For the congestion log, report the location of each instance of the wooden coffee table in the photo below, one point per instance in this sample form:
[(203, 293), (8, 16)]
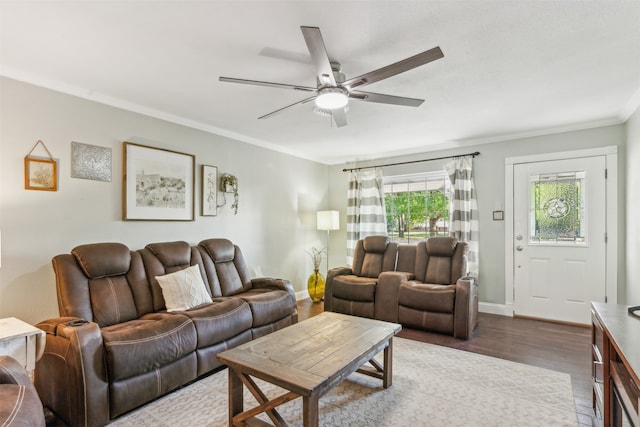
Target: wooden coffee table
[(308, 359)]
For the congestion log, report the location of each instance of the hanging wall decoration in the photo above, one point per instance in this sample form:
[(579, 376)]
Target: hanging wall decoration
[(90, 162), (158, 184), (40, 173), (209, 198), (229, 184)]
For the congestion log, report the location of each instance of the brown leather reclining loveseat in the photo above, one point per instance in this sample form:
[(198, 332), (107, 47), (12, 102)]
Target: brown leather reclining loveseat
[(117, 345), (421, 285)]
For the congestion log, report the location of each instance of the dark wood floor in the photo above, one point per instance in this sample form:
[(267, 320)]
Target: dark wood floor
[(559, 347)]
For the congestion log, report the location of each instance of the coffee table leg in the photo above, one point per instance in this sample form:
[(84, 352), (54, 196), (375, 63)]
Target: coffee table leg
[(235, 395), (310, 414), (387, 373)]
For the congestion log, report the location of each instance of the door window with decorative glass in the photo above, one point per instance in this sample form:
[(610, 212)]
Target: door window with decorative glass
[(556, 209)]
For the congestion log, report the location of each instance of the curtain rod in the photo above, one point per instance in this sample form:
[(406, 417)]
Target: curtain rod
[(477, 153)]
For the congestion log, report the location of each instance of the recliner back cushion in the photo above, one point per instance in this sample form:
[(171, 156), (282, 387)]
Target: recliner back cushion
[(103, 259), (111, 300), (231, 270), (440, 260), (110, 267), (438, 270), (174, 256), (373, 255), (169, 257)]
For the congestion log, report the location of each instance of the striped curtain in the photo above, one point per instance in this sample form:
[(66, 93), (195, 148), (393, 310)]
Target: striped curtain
[(365, 208), (464, 208)]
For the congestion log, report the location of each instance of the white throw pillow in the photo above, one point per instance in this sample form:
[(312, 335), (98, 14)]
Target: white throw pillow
[(183, 289)]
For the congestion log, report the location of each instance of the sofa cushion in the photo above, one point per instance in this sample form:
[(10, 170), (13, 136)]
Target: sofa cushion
[(231, 273), (438, 270), (111, 300), (427, 297), (183, 289), (219, 321), (172, 255), (268, 305), (354, 288), (103, 259), (148, 343), (441, 246)]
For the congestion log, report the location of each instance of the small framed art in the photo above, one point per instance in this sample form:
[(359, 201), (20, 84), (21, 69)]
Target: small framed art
[(40, 174), (209, 199)]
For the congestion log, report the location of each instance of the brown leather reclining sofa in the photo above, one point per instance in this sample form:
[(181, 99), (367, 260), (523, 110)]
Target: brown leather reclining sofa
[(116, 347), (423, 285)]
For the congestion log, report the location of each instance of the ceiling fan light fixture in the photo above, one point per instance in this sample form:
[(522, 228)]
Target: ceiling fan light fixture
[(331, 98), (326, 113)]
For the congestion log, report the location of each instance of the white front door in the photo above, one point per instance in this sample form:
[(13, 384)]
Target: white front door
[(559, 238)]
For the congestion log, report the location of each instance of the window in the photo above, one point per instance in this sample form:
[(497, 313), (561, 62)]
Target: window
[(417, 206), (556, 213)]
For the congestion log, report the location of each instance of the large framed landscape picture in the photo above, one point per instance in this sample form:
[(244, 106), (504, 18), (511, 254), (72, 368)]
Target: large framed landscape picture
[(158, 184)]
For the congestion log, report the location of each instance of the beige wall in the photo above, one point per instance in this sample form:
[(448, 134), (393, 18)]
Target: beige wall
[(632, 207), (275, 225), (489, 180)]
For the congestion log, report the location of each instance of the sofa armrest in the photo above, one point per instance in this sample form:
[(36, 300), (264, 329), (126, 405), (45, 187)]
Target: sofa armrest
[(386, 302), (466, 307), (20, 404), (70, 376), (328, 285), (269, 282)]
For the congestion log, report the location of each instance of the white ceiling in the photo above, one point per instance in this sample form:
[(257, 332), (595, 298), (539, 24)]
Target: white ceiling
[(511, 68)]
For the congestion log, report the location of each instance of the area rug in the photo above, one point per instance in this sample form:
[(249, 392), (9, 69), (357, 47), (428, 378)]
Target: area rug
[(432, 385)]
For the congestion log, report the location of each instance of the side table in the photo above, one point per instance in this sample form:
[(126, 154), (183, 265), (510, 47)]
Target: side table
[(22, 341)]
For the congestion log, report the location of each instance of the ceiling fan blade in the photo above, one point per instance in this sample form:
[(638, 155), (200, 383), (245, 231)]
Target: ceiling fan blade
[(268, 84), (315, 44), (339, 116), (385, 99), (273, 113), (395, 68)]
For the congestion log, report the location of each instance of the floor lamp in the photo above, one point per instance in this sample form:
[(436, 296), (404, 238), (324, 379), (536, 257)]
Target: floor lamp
[(327, 221)]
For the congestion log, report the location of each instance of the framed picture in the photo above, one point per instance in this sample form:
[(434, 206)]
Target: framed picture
[(158, 184), (40, 174), (209, 190)]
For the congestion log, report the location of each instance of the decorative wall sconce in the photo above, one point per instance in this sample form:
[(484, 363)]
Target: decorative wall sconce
[(229, 184)]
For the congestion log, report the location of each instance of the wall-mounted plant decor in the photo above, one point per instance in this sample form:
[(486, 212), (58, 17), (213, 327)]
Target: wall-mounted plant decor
[(229, 184), (40, 173), (158, 184)]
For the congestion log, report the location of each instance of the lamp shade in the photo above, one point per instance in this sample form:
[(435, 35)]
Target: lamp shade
[(328, 220)]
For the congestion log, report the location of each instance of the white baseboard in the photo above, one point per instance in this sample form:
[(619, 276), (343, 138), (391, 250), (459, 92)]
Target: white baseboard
[(493, 308), (302, 295)]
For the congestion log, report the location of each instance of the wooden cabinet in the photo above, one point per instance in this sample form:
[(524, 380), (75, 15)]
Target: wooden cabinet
[(597, 370), (615, 354)]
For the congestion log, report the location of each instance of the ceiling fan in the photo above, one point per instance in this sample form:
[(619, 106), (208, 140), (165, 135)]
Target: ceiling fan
[(332, 93)]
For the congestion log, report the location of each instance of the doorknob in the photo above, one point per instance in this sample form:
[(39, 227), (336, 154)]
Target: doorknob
[(518, 248)]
